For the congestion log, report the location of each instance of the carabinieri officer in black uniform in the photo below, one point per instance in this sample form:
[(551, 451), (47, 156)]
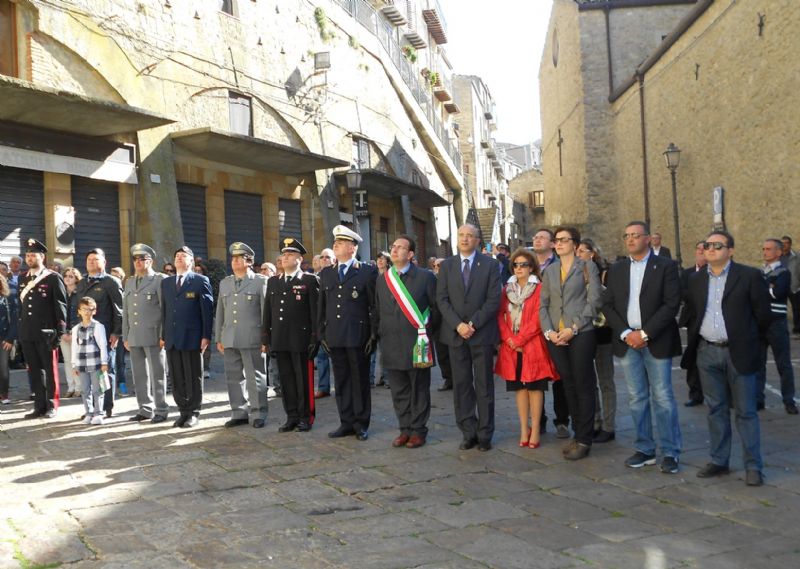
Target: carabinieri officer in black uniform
[(42, 319), (290, 331), (348, 331)]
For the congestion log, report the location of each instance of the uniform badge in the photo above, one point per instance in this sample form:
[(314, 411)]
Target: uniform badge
[(354, 294), (249, 297), (149, 297), (298, 297), (191, 295)]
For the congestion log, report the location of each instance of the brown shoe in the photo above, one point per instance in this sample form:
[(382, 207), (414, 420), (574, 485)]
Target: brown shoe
[(415, 441), (578, 452), (400, 441), (569, 447), (321, 394)]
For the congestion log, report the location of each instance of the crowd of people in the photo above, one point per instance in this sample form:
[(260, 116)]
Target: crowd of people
[(549, 318)]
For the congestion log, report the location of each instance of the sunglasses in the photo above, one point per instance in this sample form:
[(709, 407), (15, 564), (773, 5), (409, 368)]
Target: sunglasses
[(626, 236), (140, 258), (524, 265), (716, 245), (562, 239)]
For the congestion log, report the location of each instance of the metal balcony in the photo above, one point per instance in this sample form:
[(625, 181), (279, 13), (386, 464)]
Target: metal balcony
[(392, 13), (434, 18)]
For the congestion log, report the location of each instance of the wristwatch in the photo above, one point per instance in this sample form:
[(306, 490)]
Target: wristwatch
[(574, 329), (645, 337)]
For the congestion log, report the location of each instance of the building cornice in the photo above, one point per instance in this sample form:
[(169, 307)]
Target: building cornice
[(585, 5)]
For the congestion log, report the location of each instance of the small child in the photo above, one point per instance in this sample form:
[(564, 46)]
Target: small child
[(90, 356)]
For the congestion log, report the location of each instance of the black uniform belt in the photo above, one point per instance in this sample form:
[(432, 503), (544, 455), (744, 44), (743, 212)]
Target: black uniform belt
[(717, 344)]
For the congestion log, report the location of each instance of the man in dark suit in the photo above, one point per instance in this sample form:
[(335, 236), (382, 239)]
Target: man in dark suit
[(658, 250), (187, 312), (407, 318), (692, 375), (42, 319), (290, 331), (468, 296), (728, 313), (348, 331), (640, 303)]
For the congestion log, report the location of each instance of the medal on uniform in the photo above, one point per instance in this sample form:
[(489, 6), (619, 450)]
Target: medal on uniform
[(354, 294), (297, 297)]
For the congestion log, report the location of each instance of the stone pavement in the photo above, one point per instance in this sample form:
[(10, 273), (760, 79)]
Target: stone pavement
[(130, 495)]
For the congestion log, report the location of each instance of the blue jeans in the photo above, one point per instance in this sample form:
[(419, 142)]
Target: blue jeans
[(90, 393), (720, 382), (649, 382), (324, 370), (777, 337)]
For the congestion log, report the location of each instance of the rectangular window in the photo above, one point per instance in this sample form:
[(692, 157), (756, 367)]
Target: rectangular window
[(8, 36), (361, 156), (382, 234), (537, 199), (241, 113), (227, 6)]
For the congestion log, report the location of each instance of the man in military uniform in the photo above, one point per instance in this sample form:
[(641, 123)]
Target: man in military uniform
[(42, 318), (186, 313), (141, 332), (290, 331), (107, 293), (238, 332), (348, 331)]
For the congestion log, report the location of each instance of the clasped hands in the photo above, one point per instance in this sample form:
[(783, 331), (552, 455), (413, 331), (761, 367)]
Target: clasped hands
[(561, 337), (465, 330), (635, 340)]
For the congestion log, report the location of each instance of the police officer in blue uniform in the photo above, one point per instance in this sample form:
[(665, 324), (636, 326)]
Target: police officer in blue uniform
[(290, 332), (42, 319), (187, 315), (348, 331)]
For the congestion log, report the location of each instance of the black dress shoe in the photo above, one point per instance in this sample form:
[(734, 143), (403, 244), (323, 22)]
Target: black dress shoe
[(287, 427), (448, 386), (138, 418), (754, 478), (180, 421), (693, 403), (791, 409), (235, 423), (33, 415), (759, 406), (303, 426), (604, 436), (483, 446), (467, 444), (362, 435), (341, 432), (158, 419), (710, 470), (259, 423), (109, 412), (191, 421)]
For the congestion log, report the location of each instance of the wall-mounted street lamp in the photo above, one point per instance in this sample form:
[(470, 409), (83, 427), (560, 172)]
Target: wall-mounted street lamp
[(672, 156), (449, 196)]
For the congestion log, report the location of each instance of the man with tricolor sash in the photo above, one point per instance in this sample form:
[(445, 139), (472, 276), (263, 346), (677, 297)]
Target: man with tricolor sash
[(408, 318)]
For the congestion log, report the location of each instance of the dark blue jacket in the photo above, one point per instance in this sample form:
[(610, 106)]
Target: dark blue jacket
[(8, 319), (779, 281), (347, 309), (187, 313)]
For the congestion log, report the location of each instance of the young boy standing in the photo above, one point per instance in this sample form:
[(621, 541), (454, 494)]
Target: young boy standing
[(90, 356)]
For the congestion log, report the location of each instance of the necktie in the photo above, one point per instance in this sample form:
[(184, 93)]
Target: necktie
[(341, 272), (465, 272), (237, 282), (180, 281), (138, 281)]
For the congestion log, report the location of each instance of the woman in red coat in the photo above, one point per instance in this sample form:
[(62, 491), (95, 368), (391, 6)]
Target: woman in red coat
[(523, 360)]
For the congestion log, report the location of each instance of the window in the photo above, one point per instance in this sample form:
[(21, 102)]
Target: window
[(241, 113), (361, 153), (227, 6), (382, 235), (537, 199), (8, 50)]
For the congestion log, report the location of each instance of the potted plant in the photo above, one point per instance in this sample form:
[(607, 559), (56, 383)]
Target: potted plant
[(410, 53), (433, 78)]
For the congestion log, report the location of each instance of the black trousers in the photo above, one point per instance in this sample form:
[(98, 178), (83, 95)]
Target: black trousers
[(575, 364), (560, 407), (293, 369), (473, 389), (795, 300), (42, 373), (443, 359), (351, 381), (693, 381), (411, 396), (186, 371)]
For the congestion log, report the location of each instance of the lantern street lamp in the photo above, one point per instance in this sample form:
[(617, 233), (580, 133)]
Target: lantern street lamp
[(672, 156), (450, 196), (354, 184)]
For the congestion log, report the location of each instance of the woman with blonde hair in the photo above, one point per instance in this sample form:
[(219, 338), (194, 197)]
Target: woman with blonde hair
[(72, 277)]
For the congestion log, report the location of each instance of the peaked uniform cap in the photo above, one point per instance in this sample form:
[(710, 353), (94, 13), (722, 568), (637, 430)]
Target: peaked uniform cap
[(343, 232), (293, 245), (34, 246), (141, 249), (238, 249)]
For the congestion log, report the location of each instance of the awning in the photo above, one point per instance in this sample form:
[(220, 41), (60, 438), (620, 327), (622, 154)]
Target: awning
[(252, 153), (43, 107), (385, 185)]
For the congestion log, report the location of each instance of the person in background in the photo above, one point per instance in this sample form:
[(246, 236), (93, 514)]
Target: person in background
[(502, 258), (72, 277), (522, 359), (323, 360), (120, 364), (376, 373), (658, 250), (792, 260), (8, 335), (90, 359), (17, 270), (442, 351), (168, 269), (692, 375), (268, 270)]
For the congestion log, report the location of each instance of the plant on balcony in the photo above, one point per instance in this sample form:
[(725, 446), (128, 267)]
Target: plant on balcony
[(433, 78), (410, 53), (425, 72), (322, 25)]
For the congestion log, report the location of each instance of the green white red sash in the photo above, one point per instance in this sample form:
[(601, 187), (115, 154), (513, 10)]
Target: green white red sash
[(421, 355)]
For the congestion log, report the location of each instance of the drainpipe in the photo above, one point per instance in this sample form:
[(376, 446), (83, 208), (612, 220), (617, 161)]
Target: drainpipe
[(607, 13), (645, 183)]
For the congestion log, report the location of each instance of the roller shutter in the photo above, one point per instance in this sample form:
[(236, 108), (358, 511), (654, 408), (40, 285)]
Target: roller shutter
[(96, 206), (289, 220), (192, 200), (244, 221), (22, 214)]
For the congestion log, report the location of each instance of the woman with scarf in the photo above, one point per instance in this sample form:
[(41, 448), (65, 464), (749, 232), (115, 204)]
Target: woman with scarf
[(522, 359)]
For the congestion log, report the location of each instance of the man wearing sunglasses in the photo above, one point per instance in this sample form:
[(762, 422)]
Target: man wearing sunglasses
[(728, 312), (640, 303)]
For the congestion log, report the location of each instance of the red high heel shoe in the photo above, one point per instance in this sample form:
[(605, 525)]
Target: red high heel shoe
[(525, 443), (534, 445)]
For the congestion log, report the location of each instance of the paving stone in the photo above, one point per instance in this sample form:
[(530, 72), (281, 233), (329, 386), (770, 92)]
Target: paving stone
[(621, 556), (57, 548), (483, 485), (546, 533), (332, 510), (467, 512), (387, 526), (604, 496), (398, 553), (359, 480), (424, 470), (620, 528), (304, 489), (410, 497), (561, 509), (673, 518)]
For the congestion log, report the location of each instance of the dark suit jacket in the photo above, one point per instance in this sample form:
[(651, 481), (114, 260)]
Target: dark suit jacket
[(187, 314), (44, 308), (659, 301), (478, 304), (685, 274), (107, 293), (345, 318), (666, 253), (745, 308), (397, 333), (290, 313)]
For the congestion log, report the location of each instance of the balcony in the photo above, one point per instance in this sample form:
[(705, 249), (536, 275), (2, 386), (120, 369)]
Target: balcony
[(491, 152), (434, 18), (443, 88), (392, 13)]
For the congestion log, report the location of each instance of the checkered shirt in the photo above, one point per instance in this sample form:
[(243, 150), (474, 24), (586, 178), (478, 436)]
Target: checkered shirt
[(89, 356)]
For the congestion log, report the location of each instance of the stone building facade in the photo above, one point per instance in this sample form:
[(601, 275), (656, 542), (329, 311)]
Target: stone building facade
[(622, 79), (209, 122)]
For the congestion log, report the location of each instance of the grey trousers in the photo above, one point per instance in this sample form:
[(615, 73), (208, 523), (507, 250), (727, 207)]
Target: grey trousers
[(148, 364), (605, 415), (411, 396), (473, 390), (247, 383)]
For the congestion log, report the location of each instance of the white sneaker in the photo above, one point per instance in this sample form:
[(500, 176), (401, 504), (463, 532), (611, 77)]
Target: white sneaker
[(6, 401), (97, 420), (87, 420)]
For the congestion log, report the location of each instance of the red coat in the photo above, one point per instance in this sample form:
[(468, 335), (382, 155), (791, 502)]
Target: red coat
[(536, 362)]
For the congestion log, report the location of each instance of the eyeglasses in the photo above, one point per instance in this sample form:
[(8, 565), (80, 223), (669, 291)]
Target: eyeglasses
[(562, 239), (140, 258), (524, 265), (626, 236), (325, 257), (716, 245), (585, 251), (85, 309)]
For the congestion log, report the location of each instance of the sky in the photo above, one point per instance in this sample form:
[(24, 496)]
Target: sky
[(501, 41)]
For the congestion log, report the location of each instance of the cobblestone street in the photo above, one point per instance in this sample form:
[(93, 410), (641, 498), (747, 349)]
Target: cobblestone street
[(130, 495)]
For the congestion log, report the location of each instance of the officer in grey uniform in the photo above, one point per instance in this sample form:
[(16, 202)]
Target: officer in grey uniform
[(141, 332), (238, 331)]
